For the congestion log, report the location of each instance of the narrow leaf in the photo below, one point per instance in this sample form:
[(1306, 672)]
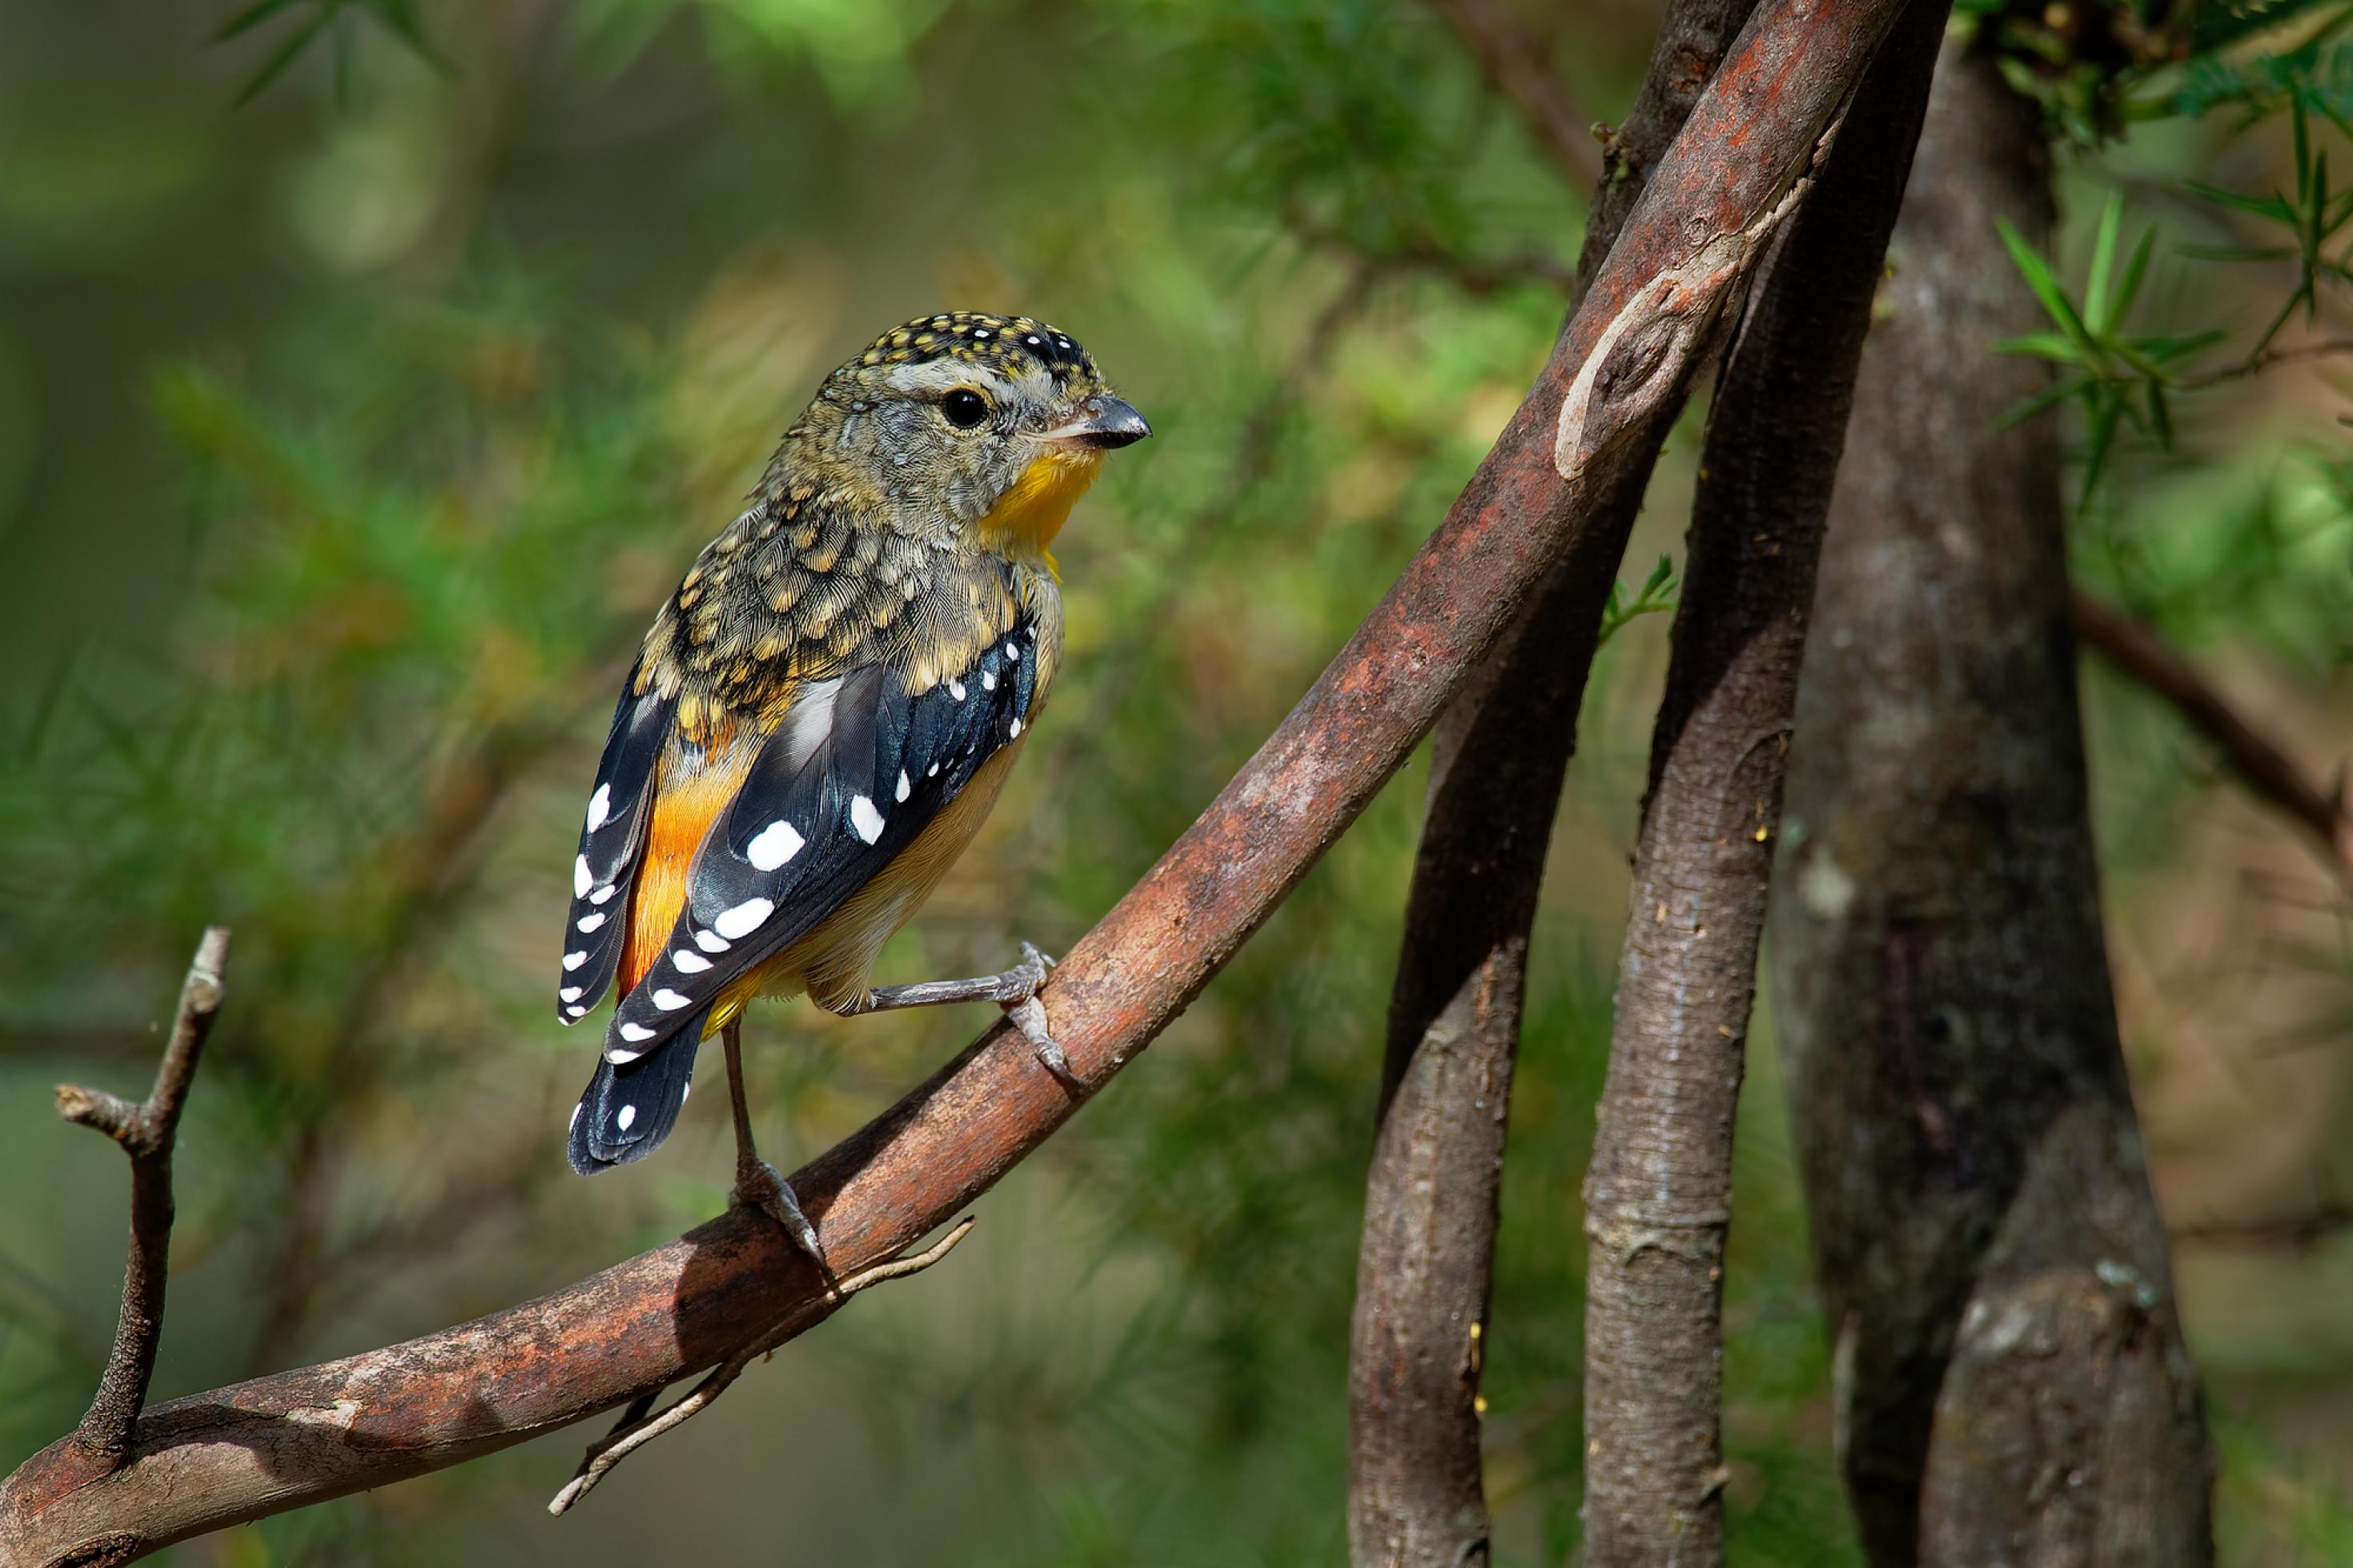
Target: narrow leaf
[(287, 54), (2276, 207), (2103, 256), (2043, 345), (2038, 275), (2103, 433), (252, 17), (2134, 270)]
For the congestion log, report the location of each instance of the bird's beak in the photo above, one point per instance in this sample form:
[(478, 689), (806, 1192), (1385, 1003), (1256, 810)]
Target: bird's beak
[(1103, 423)]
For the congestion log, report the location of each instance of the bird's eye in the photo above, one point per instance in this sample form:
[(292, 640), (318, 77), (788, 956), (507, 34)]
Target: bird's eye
[(963, 407)]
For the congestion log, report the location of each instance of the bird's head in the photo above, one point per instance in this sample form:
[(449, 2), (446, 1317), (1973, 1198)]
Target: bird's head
[(982, 429)]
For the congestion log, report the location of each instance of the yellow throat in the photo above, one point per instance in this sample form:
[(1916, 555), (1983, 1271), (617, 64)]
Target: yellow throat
[(1029, 516)]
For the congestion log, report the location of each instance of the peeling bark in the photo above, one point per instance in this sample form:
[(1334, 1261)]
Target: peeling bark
[(2011, 1382)]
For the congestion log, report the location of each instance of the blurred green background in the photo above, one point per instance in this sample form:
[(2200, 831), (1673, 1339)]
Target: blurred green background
[(349, 434)]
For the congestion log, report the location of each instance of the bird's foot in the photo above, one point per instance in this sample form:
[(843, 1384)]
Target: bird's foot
[(1024, 980), (758, 1186), (1029, 1014)]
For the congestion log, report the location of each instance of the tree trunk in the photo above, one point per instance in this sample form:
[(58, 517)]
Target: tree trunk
[(2012, 1384), (1426, 1262), (1658, 1194)]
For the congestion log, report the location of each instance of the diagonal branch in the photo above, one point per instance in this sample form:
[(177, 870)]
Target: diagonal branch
[(146, 1131), (277, 1443), (2262, 765)]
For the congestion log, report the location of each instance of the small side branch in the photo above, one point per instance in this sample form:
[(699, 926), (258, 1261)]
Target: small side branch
[(2298, 1232), (2262, 765), (146, 1131), (640, 1424)]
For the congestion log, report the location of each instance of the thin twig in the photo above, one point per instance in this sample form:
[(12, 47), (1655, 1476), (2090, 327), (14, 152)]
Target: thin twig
[(146, 1132), (1478, 277), (2262, 765), (637, 1427), (1514, 62), (2300, 1232), (2255, 364)]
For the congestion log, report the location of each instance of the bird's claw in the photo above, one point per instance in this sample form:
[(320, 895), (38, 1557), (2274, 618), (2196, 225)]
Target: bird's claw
[(1029, 1016), (758, 1186)]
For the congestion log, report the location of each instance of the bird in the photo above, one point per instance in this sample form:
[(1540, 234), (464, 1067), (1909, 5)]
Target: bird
[(823, 714)]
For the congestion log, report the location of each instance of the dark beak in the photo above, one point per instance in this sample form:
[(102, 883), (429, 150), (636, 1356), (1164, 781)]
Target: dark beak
[(1104, 423)]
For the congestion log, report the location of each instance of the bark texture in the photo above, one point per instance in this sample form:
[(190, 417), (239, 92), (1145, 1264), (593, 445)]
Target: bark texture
[(2011, 1382), (1425, 1265), (1658, 1193)]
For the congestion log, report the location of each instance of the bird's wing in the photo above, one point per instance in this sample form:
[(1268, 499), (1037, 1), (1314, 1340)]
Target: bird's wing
[(844, 785), (611, 838)]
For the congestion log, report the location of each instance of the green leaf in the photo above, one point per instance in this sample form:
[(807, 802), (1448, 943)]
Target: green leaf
[(2054, 346), (2300, 137), (2134, 270), (2105, 413), (2103, 256), (1661, 575), (2276, 207), (2240, 253), (2042, 400), (400, 18), (287, 54), (252, 17), (2045, 284), (2163, 347)]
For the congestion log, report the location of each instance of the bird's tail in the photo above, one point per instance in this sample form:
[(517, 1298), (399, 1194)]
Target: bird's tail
[(628, 1110)]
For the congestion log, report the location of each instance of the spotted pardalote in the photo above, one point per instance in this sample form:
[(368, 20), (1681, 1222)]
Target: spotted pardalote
[(824, 711)]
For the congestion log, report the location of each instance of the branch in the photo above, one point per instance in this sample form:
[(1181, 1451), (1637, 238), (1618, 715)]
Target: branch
[(1658, 1193), (2300, 1232), (279, 1442), (639, 1428), (1516, 65), (1425, 1264), (2262, 766), (2256, 363), (146, 1132)]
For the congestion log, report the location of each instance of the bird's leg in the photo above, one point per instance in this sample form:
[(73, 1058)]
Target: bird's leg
[(1015, 990), (758, 1185)]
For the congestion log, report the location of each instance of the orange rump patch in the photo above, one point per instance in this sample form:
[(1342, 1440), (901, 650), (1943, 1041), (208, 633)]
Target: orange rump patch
[(684, 809)]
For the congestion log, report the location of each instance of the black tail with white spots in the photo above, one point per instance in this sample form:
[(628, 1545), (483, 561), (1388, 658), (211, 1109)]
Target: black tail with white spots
[(628, 1110)]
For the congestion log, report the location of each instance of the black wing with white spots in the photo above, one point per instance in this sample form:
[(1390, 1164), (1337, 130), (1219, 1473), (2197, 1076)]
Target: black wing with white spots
[(832, 799), (610, 841)]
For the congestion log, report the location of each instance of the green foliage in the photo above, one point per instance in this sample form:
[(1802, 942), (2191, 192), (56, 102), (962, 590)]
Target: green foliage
[(2313, 218), (1656, 596), (2116, 377), (2316, 72), (859, 48), (413, 511), (327, 20)]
